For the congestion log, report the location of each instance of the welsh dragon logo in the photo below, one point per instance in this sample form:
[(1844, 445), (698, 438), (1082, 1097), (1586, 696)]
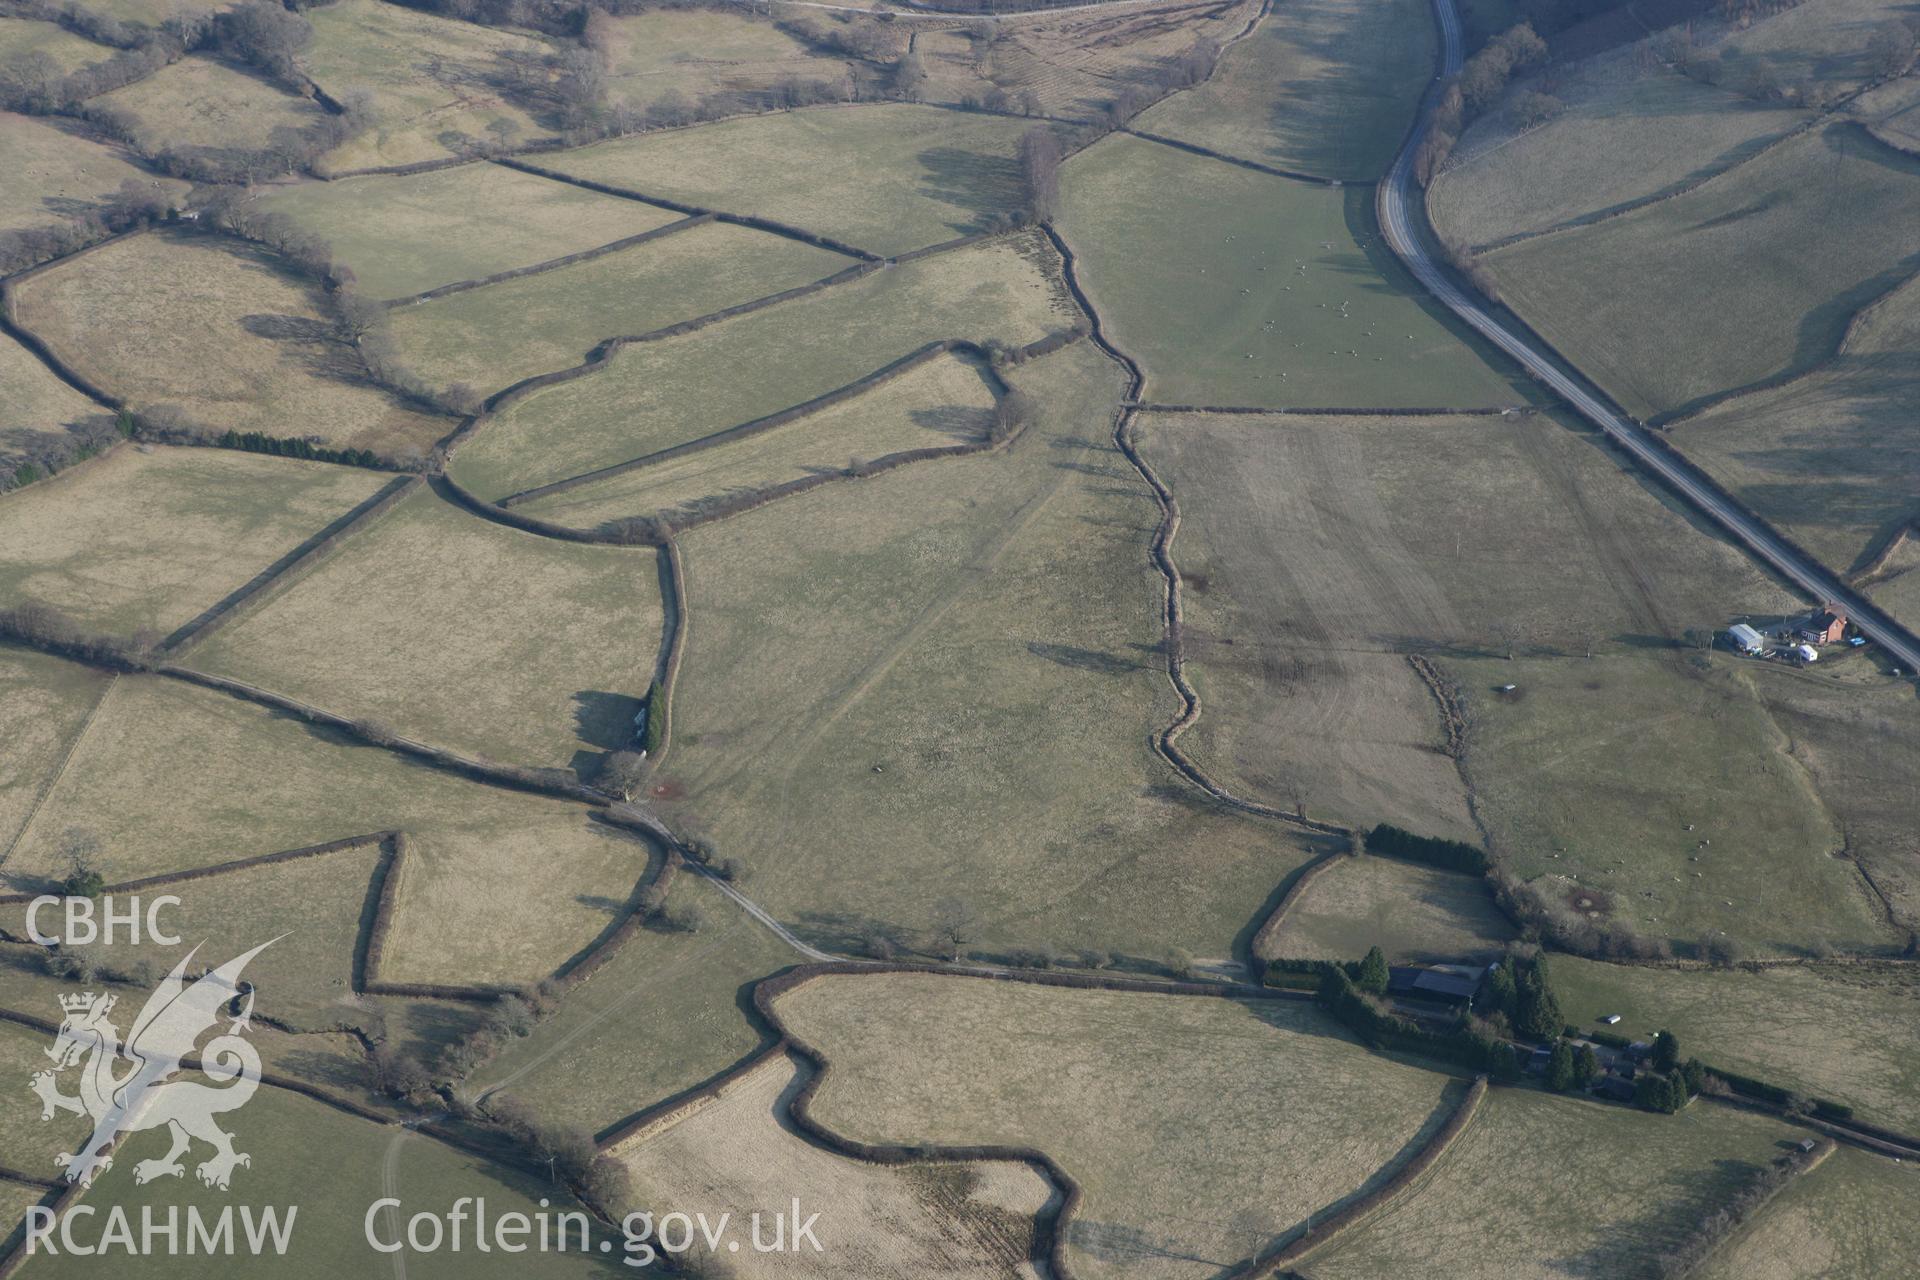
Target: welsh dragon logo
[(130, 1087)]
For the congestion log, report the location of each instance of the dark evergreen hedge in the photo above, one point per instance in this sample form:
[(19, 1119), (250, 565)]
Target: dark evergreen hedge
[(1454, 855)]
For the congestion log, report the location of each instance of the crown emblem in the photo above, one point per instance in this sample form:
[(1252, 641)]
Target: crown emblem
[(78, 1003)]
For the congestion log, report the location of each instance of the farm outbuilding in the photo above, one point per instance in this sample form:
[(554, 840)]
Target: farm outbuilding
[(1745, 638), (1444, 983)]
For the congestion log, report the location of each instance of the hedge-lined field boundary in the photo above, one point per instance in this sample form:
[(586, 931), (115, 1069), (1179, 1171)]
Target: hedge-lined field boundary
[(1292, 175), (515, 777), (623, 534), (1264, 937), (780, 418), (607, 348), (1166, 741), (1051, 1227), (610, 347), (1790, 378), (551, 264), (192, 1062), (673, 594), (1359, 1210), (786, 230), (222, 868), (27, 338), (290, 568), (1836, 114)]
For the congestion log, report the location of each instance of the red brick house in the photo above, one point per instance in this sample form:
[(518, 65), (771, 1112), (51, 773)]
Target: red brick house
[(1826, 626)]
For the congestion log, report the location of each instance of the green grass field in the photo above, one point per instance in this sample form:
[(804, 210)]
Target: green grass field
[(1319, 551), (25, 38), (1408, 911), (150, 13), (945, 402), (1749, 277), (664, 393), (1616, 781), (666, 1013), (433, 83), (886, 178), (1828, 460), (170, 776), (462, 894), (216, 330), (1824, 48), (53, 165), (493, 337), (1899, 594), (1326, 88), (1861, 744), (1541, 1187), (305, 978), (464, 633), (1232, 293), (201, 102), (694, 54), (148, 540), (28, 1143), (885, 681), (1166, 1109), (43, 703), (1851, 1217), (331, 1167), (1848, 1032), (1627, 134), (403, 236)]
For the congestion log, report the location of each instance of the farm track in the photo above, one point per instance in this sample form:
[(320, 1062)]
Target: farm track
[(1397, 202)]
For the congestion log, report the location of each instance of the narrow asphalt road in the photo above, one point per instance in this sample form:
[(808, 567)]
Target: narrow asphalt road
[(1399, 192)]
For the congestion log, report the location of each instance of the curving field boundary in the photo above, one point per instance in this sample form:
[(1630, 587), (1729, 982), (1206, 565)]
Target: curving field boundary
[(1051, 1232), (1262, 945), (503, 513)]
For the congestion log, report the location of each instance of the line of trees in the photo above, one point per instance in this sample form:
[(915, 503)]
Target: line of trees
[(259, 34), (43, 626), (1518, 993), (135, 205), (1453, 855), (1479, 85), (1681, 1260), (31, 455)]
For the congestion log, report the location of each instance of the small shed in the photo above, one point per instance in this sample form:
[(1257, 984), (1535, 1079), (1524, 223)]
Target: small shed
[(1745, 638)]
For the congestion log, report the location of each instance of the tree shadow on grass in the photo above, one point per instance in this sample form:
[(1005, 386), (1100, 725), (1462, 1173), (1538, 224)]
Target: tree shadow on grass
[(977, 183), (605, 720)]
